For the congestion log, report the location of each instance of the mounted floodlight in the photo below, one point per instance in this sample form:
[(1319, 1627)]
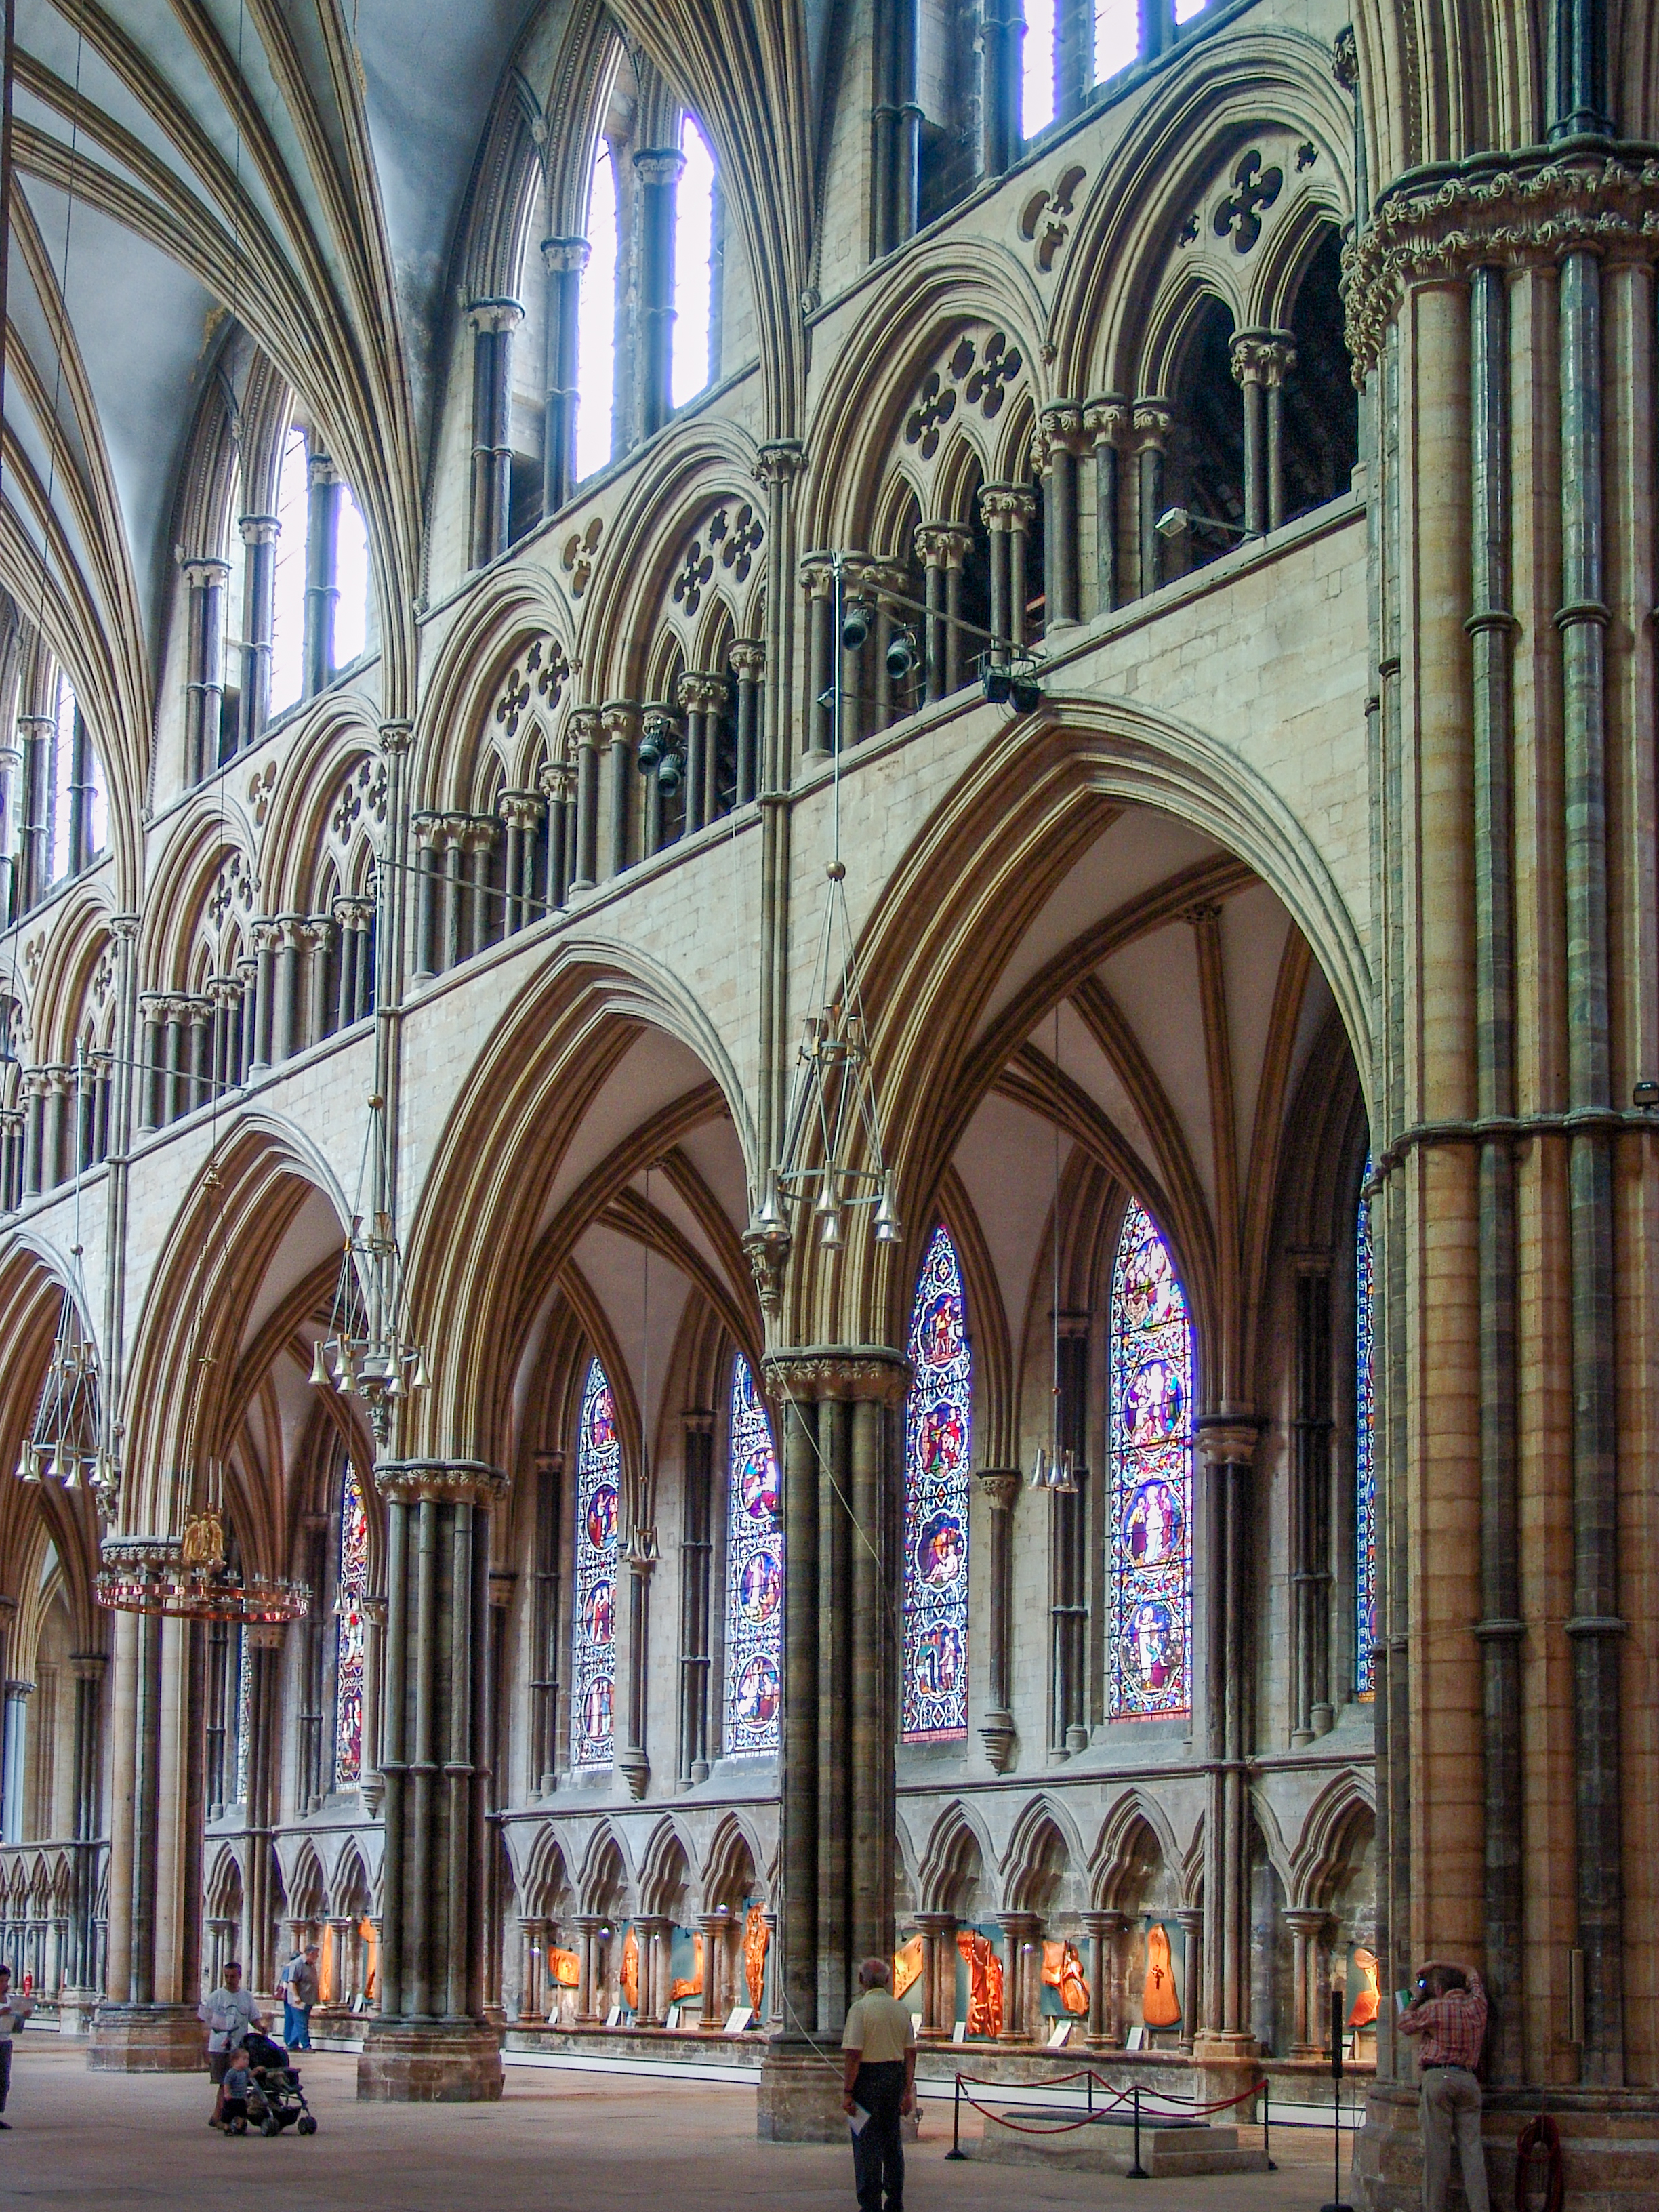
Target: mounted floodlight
[(670, 770), (1003, 688), (901, 655), (855, 623), (1177, 521)]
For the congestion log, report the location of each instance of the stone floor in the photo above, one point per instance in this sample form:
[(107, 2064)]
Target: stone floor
[(585, 2142)]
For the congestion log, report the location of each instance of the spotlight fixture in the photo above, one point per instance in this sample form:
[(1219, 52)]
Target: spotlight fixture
[(901, 655), (670, 770), (1004, 687), (855, 623), (1177, 521), (1645, 1097)]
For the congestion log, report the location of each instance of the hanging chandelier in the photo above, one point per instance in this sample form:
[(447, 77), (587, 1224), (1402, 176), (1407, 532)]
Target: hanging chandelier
[(66, 1443), (364, 1351), (831, 1159), (191, 1579)]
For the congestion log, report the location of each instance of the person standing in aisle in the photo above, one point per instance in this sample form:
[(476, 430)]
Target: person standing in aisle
[(879, 2052), (14, 2011)]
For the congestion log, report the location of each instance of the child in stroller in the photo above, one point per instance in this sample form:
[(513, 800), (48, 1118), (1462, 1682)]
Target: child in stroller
[(261, 2085)]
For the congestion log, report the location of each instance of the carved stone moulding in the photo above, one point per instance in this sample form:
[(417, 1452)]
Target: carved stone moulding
[(849, 1371), (1534, 210), (449, 1481)]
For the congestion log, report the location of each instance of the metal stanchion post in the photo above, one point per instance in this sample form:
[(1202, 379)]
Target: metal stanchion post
[(1267, 2123), (1137, 2171), (1336, 2204), (956, 2149)]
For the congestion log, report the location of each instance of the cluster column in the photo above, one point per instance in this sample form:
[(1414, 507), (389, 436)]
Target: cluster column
[(1261, 359), (492, 322), (840, 1501), (1001, 1486), (1226, 1452), (430, 2040)]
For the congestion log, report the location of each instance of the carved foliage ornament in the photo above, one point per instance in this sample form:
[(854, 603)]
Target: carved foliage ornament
[(1532, 213)]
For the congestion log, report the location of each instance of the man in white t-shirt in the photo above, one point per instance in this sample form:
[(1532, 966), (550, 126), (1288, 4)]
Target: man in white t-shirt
[(229, 2013), (879, 2054), (14, 2011)]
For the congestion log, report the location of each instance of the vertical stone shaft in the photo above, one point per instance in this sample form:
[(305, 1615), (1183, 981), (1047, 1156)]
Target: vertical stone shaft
[(563, 261), (1596, 1627), (800, 1721), (430, 2040), (1106, 421), (696, 1552), (1001, 1486), (1060, 436), (493, 323), (322, 561), (89, 1670), (658, 172), (204, 687), (1491, 626), (260, 535), (1067, 1568), (1311, 1711), (870, 1870)]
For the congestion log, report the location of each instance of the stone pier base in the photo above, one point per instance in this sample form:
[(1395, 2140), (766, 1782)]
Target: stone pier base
[(1609, 2143), (430, 2062), (801, 2095), (129, 2039)]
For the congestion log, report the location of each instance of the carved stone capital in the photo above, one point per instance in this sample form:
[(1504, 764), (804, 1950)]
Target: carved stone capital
[(556, 779), (564, 257), (494, 314), (1006, 506), (1152, 421), (1001, 1486), (1227, 1443), (1537, 211), (943, 544), (748, 658), (847, 1372), (1264, 357), (585, 726), (1108, 419), (446, 1481), (619, 720), (701, 691), (1060, 429), (781, 462), (320, 470), (520, 809), (199, 572), (90, 1666), (817, 575), (259, 529), (660, 165), (396, 738)]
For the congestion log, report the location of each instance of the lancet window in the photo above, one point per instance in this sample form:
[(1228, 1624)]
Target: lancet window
[(1364, 1463), (937, 1436), (352, 1630), (320, 576), (754, 1575), (593, 1639), (1151, 1454)]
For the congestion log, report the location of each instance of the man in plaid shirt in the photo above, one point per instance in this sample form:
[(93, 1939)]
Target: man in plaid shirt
[(1450, 2013)]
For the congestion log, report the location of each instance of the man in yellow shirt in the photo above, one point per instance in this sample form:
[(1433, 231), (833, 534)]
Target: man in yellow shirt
[(879, 2052)]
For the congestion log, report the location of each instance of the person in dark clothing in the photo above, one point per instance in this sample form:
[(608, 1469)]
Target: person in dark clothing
[(878, 2053)]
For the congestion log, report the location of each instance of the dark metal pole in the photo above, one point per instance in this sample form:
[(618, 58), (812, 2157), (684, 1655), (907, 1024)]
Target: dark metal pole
[(956, 2149), (1137, 2171), (1336, 2204)]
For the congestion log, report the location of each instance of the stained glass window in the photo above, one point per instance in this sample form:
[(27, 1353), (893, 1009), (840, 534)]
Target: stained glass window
[(1151, 1423), (349, 1649), (754, 1575), (938, 1423), (1364, 1466), (593, 1669)]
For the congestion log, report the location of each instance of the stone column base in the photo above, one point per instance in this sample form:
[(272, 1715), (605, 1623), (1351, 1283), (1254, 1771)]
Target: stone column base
[(76, 2011), (438, 2061), (1609, 2143), (131, 2038), (801, 2095)]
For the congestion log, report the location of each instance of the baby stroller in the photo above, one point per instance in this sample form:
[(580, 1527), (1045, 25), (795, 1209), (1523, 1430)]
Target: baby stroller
[(276, 2100)]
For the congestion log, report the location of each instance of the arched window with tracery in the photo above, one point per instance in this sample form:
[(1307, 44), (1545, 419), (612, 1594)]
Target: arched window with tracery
[(350, 1636), (1150, 1645), (593, 1634), (754, 1575), (938, 1411), (1365, 1464)]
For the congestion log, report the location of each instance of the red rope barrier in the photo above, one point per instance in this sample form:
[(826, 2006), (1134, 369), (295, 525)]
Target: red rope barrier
[(1118, 2097)]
